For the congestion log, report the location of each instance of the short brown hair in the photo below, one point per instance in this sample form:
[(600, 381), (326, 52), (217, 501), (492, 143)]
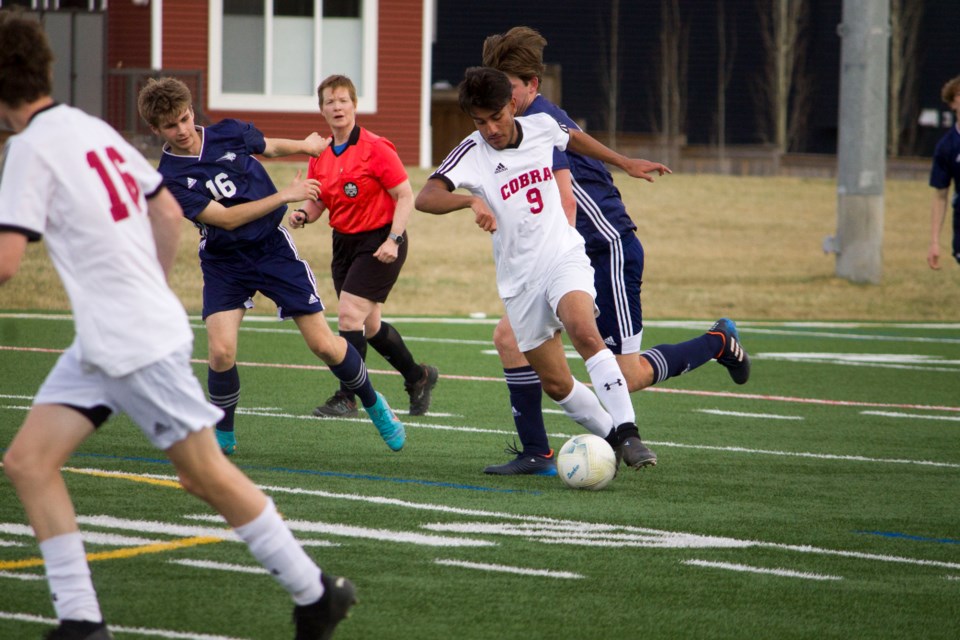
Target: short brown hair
[(950, 89), (518, 52), (26, 60), (163, 99), (337, 81)]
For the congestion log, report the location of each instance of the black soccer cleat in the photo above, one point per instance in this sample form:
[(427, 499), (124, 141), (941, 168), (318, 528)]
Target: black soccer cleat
[(733, 356), (525, 464), (79, 630), (626, 443), (420, 390), (318, 621), (339, 405)]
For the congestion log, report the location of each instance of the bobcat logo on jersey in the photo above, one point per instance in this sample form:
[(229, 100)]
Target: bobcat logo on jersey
[(229, 156), (350, 190)]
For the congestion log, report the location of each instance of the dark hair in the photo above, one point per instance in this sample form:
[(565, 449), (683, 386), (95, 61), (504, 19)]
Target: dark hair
[(26, 60), (484, 88), (518, 52)]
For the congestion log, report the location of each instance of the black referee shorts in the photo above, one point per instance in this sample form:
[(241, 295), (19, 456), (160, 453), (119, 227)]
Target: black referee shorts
[(356, 271)]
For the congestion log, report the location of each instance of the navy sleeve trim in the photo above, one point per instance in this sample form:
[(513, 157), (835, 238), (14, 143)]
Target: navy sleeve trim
[(32, 236)]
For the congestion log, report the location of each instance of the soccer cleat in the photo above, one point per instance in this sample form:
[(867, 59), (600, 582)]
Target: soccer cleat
[(733, 356), (227, 441), (79, 630), (628, 447), (339, 405), (317, 621), (525, 464), (390, 428), (419, 391)]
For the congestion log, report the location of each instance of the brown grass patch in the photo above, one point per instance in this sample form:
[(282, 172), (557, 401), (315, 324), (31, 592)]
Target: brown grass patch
[(745, 247)]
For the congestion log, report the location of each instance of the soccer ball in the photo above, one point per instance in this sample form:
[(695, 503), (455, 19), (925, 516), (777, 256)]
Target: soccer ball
[(586, 462)]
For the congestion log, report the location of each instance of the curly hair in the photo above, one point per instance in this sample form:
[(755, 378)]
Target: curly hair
[(484, 88), (163, 99), (26, 60), (950, 89), (518, 52)]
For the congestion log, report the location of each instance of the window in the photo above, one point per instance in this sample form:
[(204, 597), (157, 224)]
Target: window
[(270, 55)]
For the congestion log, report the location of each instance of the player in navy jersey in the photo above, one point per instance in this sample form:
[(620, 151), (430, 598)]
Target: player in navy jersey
[(244, 247), (616, 255), (946, 168)]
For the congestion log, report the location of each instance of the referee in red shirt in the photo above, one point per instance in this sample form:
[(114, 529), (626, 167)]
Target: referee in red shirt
[(366, 190)]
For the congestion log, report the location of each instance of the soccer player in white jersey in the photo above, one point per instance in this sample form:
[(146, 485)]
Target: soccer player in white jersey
[(543, 275), (111, 230)]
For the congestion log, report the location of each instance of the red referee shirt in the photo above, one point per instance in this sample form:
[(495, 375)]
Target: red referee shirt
[(354, 185)]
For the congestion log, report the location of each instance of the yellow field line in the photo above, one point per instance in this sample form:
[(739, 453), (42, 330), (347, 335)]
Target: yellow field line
[(157, 547), (173, 484)]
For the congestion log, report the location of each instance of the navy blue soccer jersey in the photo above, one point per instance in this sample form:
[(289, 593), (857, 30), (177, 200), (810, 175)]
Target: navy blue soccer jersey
[(225, 171), (602, 217), (946, 164)]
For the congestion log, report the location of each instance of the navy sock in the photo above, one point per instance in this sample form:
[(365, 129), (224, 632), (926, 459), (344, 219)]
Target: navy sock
[(359, 343), (389, 343), (670, 360), (352, 373), (525, 400), (224, 390)]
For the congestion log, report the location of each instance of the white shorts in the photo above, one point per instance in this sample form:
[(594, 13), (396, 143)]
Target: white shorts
[(533, 312), (164, 399)]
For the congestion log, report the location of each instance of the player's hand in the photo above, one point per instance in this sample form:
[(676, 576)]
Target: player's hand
[(933, 257), (299, 190), (316, 144), (387, 252), (483, 216), (639, 168)]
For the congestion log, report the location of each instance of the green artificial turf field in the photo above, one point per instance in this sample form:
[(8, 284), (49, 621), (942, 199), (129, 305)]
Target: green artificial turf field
[(820, 500)]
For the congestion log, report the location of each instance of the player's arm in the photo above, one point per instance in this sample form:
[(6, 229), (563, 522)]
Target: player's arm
[(308, 212), (938, 213), (312, 145), (586, 145), (436, 197), (166, 218), (13, 245), (229, 218), (564, 180)]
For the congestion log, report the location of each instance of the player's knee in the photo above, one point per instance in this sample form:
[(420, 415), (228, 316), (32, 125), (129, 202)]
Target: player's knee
[(23, 468), (504, 340)]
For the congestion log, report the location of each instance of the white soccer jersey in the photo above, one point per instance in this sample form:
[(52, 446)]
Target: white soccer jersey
[(517, 183), (72, 179)]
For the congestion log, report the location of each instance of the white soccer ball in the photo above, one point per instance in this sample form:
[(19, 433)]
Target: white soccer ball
[(586, 462)]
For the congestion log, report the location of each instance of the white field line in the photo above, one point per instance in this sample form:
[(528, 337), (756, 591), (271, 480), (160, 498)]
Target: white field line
[(891, 414), (116, 628), (507, 569), (741, 414), (16, 575), (574, 525), (89, 537), (220, 566), (784, 573), (498, 380)]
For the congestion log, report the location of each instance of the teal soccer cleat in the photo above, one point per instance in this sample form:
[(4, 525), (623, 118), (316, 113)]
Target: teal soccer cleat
[(390, 428), (227, 441)]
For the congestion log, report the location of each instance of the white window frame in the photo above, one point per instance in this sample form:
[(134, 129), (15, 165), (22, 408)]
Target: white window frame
[(219, 100)]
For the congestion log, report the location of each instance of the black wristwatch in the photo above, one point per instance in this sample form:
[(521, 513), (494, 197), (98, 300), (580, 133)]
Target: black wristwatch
[(396, 237)]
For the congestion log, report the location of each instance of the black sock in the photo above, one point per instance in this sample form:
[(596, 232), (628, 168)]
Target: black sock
[(359, 343), (224, 390), (390, 345)]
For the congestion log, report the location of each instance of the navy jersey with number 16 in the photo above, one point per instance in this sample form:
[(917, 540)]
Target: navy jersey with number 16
[(225, 171)]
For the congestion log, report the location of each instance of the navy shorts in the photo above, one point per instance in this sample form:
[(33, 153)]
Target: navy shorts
[(956, 234), (273, 267), (617, 277)]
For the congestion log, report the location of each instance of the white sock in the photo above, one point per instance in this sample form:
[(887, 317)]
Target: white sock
[(582, 407), (272, 543), (68, 576), (611, 386)]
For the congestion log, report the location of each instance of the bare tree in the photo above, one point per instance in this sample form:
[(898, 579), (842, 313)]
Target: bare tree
[(784, 90), (674, 53), (905, 19), (726, 52)]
